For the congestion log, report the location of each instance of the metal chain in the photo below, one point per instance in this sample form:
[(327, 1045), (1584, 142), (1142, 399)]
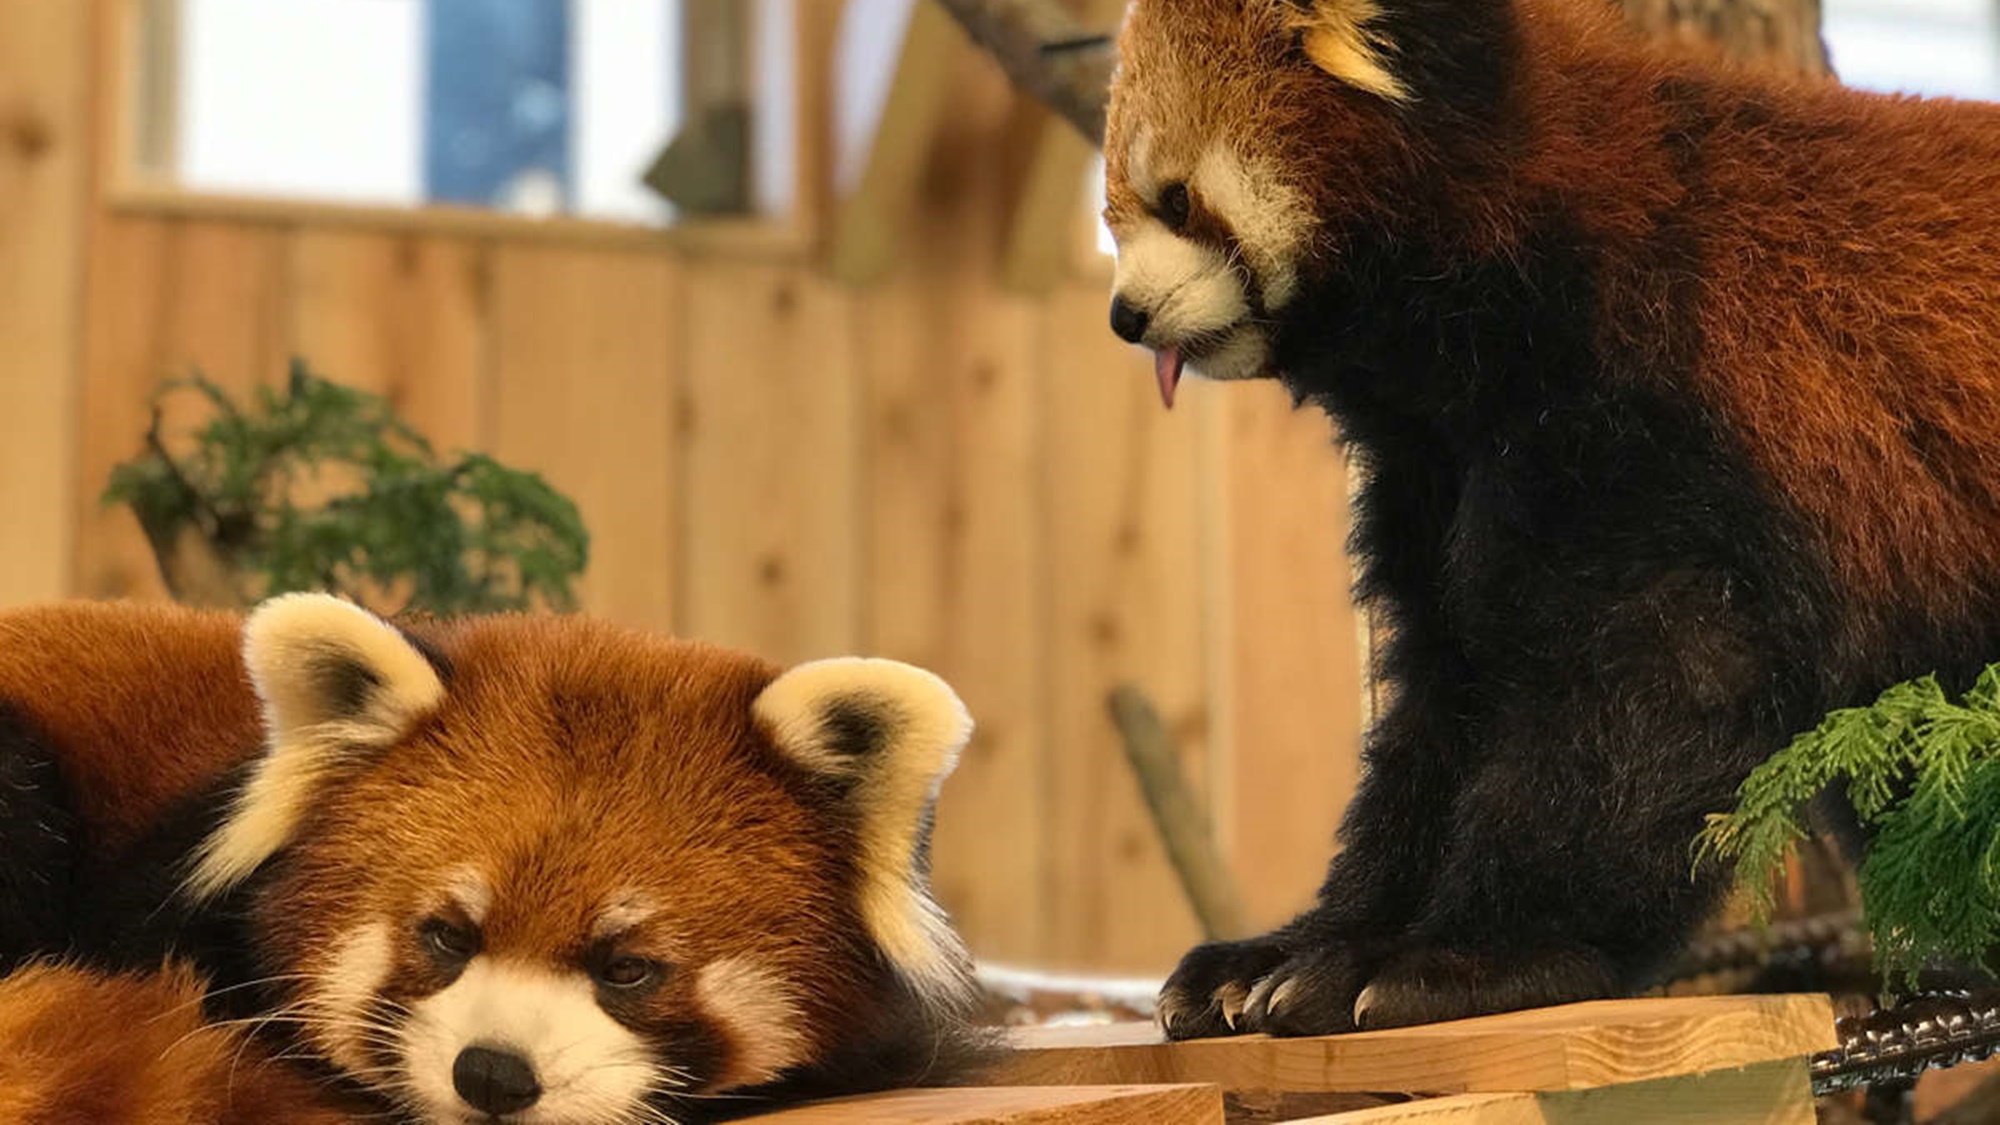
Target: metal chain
[(1926, 1032)]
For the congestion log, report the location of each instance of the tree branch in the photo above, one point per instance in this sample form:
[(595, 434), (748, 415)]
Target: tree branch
[(1178, 814), (1052, 55), (1047, 52)]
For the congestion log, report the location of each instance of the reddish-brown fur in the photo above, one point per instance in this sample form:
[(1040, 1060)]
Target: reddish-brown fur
[(571, 763), (152, 703), (1849, 318), (539, 740), (83, 1048)]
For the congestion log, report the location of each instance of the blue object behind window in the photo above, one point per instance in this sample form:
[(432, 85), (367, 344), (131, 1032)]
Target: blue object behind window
[(497, 97)]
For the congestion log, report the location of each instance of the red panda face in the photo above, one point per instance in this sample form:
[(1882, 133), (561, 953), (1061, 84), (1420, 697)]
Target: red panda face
[(584, 872), (1238, 131)]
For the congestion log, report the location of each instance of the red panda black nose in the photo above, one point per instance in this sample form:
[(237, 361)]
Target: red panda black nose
[(1128, 320), (494, 1081)]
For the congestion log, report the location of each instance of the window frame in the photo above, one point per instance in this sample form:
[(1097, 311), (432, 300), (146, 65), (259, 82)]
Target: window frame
[(138, 62)]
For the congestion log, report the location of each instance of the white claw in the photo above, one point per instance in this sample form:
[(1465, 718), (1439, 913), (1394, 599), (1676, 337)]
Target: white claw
[(1281, 994), (1260, 993), (1362, 1003), (1230, 998)]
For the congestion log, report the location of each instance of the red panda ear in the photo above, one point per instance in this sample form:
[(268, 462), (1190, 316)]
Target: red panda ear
[(892, 732), (335, 681), (1344, 39)]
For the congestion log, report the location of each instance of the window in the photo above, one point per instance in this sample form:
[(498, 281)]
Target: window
[(1948, 47), (532, 106)]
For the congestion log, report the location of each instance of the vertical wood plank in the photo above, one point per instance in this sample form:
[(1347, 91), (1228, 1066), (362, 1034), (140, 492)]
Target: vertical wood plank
[(768, 429), (867, 232), (404, 315), (817, 32), (44, 147), (956, 576), (1124, 482), (1291, 737), (584, 372), (164, 298)]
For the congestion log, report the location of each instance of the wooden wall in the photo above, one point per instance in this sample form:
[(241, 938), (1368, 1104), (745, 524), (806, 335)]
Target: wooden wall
[(934, 468)]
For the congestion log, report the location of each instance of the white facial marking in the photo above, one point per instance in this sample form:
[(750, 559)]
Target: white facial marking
[(470, 893), (1270, 220), (622, 913), (1185, 288), (762, 1019), (589, 1066), (341, 993), (1243, 354), (1139, 171)]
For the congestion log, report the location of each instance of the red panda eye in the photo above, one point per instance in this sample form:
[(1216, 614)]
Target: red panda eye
[(1175, 205), (448, 942), (627, 972)]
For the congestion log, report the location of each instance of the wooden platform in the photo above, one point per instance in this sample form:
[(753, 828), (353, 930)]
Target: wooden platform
[(1571, 1048), (1638, 1062), (1020, 1105)]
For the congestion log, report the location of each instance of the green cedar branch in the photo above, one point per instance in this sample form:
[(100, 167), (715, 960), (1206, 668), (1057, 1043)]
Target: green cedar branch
[(317, 486)]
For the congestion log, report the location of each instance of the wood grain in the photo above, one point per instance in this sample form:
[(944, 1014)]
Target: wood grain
[(44, 147), (1578, 1046), (406, 317), (164, 299), (1289, 739), (585, 371), (1126, 548), (1771, 1093), (1077, 1105), (955, 577), (768, 428), (1462, 1109)]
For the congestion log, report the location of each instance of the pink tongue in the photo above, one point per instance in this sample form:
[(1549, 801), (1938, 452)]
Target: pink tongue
[(1167, 367)]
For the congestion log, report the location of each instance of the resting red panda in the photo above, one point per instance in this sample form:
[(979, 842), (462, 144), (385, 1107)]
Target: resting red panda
[(533, 869), (1677, 391)]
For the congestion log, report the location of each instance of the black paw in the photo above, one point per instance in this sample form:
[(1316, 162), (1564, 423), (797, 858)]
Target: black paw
[(1206, 994), (1312, 993), (1432, 984)]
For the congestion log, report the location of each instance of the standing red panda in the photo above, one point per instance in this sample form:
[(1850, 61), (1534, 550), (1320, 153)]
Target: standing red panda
[(1677, 388), (532, 869)]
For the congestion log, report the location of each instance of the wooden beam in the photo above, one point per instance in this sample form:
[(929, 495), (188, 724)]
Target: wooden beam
[(864, 242), (1076, 1105), (1580, 1046), (816, 53), (1774, 1093), (1049, 217), (1465, 1109), (1047, 52)]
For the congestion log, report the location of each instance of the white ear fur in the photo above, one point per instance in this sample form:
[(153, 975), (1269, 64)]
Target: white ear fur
[(1338, 37), (334, 680), (893, 732)]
